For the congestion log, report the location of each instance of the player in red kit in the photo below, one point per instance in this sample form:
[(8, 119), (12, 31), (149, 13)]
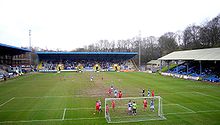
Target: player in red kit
[(97, 106), (145, 104), (152, 93), (107, 109), (109, 92), (113, 105), (119, 94)]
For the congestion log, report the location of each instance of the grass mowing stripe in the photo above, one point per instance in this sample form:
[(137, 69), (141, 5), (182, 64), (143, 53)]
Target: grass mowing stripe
[(196, 112), (50, 120), (32, 110), (72, 119), (90, 108), (23, 121), (39, 97), (7, 102), (64, 112), (68, 96), (200, 93)]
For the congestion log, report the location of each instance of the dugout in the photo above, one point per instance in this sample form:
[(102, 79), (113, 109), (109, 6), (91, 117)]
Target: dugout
[(11, 55)]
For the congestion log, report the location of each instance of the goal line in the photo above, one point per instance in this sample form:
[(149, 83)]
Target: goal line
[(133, 109)]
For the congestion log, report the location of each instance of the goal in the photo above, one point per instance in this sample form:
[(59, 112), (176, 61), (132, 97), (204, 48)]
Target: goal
[(121, 113)]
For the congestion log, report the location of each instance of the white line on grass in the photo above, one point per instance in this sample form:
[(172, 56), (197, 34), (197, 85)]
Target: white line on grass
[(181, 107), (179, 113), (208, 111), (6, 102), (51, 120), (200, 93), (64, 112), (186, 108)]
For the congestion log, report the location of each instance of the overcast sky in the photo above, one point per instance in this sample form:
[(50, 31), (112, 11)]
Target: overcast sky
[(69, 24)]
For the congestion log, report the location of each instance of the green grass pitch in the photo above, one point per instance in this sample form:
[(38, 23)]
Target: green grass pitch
[(69, 98)]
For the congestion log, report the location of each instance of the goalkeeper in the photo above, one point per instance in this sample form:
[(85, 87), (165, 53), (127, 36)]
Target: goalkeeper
[(134, 107)]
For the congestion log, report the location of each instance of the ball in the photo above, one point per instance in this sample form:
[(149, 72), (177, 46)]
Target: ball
[(94, 113)]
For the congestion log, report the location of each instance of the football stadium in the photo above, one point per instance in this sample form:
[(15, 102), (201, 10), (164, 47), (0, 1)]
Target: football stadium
[(108, 87)]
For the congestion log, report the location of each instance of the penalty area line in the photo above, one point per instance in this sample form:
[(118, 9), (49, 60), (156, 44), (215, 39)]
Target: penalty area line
[(186, 108), (7, 101), (182, 107), (200, 93)]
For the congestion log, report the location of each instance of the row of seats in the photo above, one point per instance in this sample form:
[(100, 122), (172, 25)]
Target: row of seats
[(7, 71), (88, 65), (207, 73)]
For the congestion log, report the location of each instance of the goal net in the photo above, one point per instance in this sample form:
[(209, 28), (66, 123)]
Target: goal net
[(133, 109)]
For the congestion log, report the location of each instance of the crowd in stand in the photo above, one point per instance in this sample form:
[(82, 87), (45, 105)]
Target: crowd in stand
[(7, 71), (209, 72), (73, 65)]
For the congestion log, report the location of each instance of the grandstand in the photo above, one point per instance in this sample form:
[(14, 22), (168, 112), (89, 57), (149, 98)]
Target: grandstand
[(11, 55), (201, 64), (11, 60), (89, 61)]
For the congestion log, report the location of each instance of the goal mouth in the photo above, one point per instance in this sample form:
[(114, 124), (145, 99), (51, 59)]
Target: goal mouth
[(133, 109)]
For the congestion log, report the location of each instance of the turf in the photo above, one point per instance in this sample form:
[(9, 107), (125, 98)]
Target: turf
[(41, 98)]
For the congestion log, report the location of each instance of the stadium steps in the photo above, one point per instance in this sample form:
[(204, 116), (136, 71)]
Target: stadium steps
[(134, 64)]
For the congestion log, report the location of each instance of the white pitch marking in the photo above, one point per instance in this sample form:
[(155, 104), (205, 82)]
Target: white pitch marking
[(208, 111), (48, 120), (6, 102), (207, 95), (186, 108), (64, 112), (178, 113), (182, 107)]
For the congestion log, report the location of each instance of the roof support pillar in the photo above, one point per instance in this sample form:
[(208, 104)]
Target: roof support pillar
[(168, 66), (160, 65), (200, 67), (177, 66), (11, 61), (187, 68)]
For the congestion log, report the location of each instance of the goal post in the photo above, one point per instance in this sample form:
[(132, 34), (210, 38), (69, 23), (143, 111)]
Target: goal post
[(122, 113)]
